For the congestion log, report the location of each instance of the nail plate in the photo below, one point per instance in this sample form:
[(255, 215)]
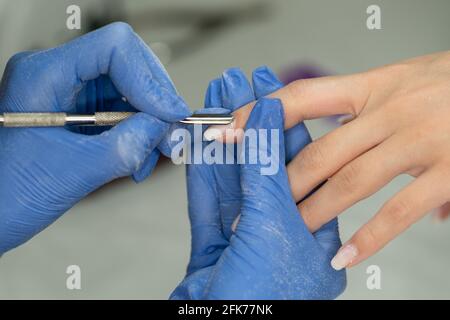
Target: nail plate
[(344, 257), (216, 131)]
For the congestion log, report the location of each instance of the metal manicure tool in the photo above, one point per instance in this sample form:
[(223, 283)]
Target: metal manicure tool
[(98, 119)]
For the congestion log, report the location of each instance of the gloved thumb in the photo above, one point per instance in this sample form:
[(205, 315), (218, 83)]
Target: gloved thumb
[(264, 179), (123, 150), (268, 196)]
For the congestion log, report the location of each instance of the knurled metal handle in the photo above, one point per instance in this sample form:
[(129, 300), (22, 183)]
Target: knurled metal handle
[(111, 118), (34, 119)]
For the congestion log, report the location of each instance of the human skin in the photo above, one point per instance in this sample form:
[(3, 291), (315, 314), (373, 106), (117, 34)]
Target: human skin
[(400, 125)]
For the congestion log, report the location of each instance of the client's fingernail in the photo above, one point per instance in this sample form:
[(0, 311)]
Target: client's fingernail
[(217, 131), (344, 257)]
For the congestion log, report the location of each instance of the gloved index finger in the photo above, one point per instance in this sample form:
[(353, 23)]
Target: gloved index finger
[(117, 51), (154, 64)]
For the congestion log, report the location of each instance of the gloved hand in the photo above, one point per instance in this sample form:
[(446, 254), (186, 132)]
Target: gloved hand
[(271, 255), (45, 171)]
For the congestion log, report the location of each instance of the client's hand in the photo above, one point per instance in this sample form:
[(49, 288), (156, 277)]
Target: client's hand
[(400, 126)]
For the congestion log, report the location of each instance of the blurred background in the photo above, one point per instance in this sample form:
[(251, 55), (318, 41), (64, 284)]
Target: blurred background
[(133, 241)]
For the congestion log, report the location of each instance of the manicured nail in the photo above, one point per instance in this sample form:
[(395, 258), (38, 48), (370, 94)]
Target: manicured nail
[(344, 257), (217, 131)]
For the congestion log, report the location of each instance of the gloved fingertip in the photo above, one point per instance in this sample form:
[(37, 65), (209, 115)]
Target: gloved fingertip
[(230, 72), (178, 111), (264, 69), (213, 97), (147, 168), (236, 89), (265, 82)]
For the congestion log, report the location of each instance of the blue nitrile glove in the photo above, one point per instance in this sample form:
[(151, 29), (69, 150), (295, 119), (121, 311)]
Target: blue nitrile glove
[(272, 255), (45, 171)]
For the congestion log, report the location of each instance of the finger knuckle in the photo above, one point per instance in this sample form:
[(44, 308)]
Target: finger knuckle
[(388, 71), (346, 179), (297, 87), (397, 210), (305, 212), (313, 156), (311, 220), (366, 239)]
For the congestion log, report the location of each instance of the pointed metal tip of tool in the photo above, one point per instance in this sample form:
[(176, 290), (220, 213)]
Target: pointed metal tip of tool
[(209, 119)]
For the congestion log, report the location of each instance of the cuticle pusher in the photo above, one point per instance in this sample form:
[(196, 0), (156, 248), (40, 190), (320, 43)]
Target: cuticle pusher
[(60, 119)]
